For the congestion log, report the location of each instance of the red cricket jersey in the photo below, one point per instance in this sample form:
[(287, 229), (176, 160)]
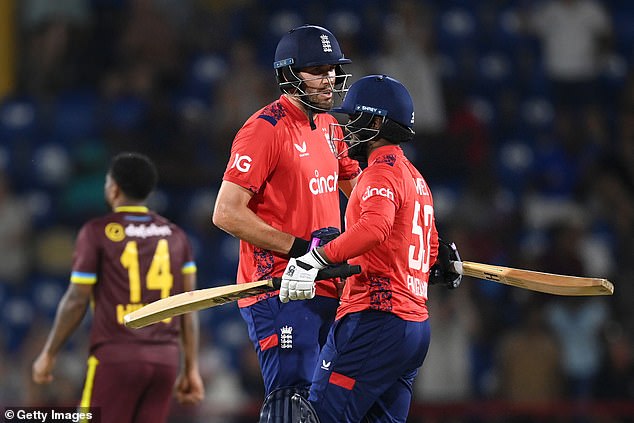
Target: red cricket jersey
[(132, 257), (293, 173), (391, 233)]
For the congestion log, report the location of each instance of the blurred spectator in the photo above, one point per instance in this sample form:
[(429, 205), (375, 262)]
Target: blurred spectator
[(578, 325), (241, 93), (56, 41), (15, 232), (446, 374), (464, 152), (574, 36), (408, 45), (617, 371), (529, 361)]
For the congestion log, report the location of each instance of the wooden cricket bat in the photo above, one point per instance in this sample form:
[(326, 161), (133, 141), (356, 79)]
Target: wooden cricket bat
[(199, 299), (549, 283)]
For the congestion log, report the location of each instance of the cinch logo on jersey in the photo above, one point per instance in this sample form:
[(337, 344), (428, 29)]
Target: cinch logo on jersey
[(242, 163), (323, 184), (383, 192), (142, 231)]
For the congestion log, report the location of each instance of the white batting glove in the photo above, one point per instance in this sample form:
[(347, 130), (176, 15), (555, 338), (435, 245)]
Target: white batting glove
[(298, 281)]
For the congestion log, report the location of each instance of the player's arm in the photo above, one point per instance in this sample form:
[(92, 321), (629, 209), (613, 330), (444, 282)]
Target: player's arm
[(189, 385), (70, 312), (373, 227), (232, 215), (346, 186)]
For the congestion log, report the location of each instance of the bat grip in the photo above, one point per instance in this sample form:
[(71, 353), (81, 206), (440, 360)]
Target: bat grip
[(457, 267), (340, 271)]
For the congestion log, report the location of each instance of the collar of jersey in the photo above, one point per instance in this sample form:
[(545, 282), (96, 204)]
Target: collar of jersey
[(385, 149), (293, 110), (131, 209)]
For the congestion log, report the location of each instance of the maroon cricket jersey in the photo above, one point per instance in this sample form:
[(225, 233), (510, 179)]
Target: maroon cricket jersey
[(132, 257)]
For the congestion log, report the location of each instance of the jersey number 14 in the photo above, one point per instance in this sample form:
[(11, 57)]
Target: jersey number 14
[(159, 275)]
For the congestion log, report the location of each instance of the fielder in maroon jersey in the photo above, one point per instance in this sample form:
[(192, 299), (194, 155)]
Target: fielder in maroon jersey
[(122, 261)]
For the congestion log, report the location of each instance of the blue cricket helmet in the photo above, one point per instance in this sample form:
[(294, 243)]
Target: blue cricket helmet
[(370, 97), (379, 95), (306, 46)]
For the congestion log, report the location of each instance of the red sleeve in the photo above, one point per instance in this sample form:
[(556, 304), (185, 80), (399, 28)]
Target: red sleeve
[(370, 230), (252, 155), (376, 217)]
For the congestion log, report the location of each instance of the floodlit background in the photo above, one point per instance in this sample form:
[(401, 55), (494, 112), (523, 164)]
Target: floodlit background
[(525, 133)]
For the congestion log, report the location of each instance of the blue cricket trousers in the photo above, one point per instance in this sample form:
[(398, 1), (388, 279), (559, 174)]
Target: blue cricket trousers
[(367, 368)]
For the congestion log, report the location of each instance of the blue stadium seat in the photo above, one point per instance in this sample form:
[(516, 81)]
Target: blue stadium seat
[(125, 113), (514, 162), (204, 73), (456, 27), (46, 292), (17, 316), (75, 116), (51, 166), (537, 114), (494, 71), (18, 119)]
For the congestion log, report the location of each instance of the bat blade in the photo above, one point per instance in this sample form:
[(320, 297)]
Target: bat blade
[(548, 283), (199, 299), (189, 301)]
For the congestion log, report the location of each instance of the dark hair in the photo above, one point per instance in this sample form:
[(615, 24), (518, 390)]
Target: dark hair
[(134, 173)]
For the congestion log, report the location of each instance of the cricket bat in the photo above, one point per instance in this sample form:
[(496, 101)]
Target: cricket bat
[(548, 283), (199, 299)]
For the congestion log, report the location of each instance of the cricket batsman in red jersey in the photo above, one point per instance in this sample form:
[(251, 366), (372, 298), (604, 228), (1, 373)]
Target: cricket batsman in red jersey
[(381, 333), (280, 190), (122, 261)]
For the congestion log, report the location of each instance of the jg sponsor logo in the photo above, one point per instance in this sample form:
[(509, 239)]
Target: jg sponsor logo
[(242, 163)]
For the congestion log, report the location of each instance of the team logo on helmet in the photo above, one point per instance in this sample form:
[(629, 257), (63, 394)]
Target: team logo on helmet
[(325, 43)]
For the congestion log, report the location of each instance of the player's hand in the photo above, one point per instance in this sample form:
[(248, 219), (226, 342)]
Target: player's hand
[(323, 236), (42, 368), (189, 388), (441, 271), (318, 238), (298, 280)]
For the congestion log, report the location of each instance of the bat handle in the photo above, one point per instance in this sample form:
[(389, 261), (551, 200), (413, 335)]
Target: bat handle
[(457, 267), (340, 271)]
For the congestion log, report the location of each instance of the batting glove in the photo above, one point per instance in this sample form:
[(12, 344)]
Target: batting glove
[(298, 281), (441, 271)]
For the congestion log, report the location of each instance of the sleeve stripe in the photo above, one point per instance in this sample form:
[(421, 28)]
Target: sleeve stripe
[(189, 267), (83, 278)]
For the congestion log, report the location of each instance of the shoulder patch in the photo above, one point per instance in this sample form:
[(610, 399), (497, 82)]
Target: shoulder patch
[(273, 112), (389, 159)]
